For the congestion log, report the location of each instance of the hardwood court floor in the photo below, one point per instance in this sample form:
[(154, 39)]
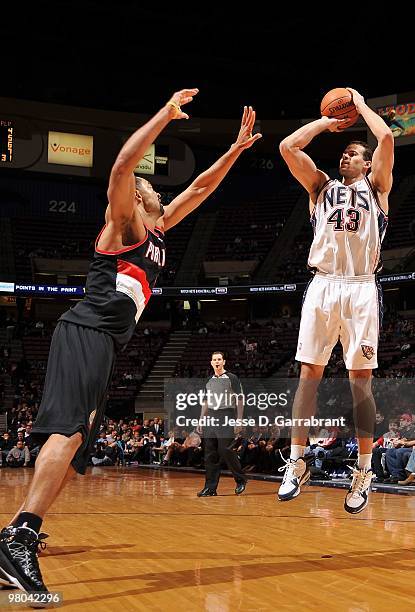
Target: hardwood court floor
[(130, 539)]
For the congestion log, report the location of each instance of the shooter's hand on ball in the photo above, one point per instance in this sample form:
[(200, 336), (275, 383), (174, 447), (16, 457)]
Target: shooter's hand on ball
[(358, 99)]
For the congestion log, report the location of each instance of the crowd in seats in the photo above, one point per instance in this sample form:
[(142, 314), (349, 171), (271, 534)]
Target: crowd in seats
[(401, 229), (393, 452), (293, 266), (396, 346), (26, 373), (260, 450), (263, 450), (18, 448), (247, 230), (133, 442), (252, 349), (252, 242), (393, 459), (46, 237), (128, 442), (133, 365), (244, 230), (50, 238), (176, 240), (396, 356)]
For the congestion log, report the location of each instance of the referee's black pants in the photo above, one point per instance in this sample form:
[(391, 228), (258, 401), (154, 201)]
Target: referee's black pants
[(218, 448)]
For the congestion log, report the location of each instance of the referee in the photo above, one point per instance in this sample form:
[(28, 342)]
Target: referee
[(218, 407)]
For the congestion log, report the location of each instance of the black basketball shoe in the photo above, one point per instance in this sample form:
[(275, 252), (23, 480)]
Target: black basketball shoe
[(5, 533), (18, 558)]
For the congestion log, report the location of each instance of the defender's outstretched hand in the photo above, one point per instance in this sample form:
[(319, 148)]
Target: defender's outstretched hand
[(245, 138), (178, 99)]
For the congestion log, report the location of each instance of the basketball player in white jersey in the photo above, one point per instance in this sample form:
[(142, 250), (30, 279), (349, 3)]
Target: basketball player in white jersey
[(349, 219)]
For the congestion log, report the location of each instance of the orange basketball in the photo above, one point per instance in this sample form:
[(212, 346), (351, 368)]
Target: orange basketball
[(338, 103)]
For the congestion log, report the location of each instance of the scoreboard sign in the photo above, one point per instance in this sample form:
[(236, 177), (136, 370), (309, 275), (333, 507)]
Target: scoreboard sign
[(6, 140)]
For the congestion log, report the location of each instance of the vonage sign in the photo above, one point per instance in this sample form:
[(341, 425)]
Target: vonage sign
[(70, 149)]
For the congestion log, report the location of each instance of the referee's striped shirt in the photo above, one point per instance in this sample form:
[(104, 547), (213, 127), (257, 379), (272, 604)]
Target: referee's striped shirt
[(222, 389)]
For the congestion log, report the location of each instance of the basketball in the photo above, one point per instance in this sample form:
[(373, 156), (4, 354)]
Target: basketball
[(338, 103)]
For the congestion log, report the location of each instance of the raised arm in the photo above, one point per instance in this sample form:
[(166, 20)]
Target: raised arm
[(301, 166), (207, 182), (121, 190), (383, 156)]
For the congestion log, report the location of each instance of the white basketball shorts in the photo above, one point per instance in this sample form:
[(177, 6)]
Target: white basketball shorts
[(345, 308)]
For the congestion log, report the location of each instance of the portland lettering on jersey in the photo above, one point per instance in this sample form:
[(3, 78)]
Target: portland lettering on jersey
[(119, 286), (156, 254)]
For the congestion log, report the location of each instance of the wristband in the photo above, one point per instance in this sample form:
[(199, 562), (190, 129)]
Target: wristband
[(174, 105)]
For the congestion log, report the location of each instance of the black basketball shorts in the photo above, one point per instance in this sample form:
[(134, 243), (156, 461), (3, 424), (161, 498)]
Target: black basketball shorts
[(80, 367)]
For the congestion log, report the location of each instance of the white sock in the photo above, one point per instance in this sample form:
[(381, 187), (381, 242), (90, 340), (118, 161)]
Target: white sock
[(365, 461), (297, 451)]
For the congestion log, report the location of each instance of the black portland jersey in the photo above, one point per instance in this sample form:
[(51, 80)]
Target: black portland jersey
[(118, 287)]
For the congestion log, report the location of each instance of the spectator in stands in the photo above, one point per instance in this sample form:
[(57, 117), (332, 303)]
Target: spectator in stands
[(398, 456), (145, 428), (30, 442), (171, 453), (157, 428), (158, 450), (405, 424), (166, 445), (410, 471), (150, 441), (40, 328), (10, 328), (179, 449), (136, 426), (265, 454), (380, 446), (6, 444), (147, 337), (134, 448), (100, 456), (120, 458), (18, 456), (322, 444), (193, 444), (102, 436), (248, 452), (379, 425), (126, 434)]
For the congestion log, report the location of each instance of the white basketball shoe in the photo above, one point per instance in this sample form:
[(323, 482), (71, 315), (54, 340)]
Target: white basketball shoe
[(296, 473)]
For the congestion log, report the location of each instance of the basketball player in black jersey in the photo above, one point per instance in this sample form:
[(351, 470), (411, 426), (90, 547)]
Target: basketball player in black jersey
[(129, 254)]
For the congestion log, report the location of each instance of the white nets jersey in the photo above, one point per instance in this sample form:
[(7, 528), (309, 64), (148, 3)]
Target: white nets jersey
[(349, 226)]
